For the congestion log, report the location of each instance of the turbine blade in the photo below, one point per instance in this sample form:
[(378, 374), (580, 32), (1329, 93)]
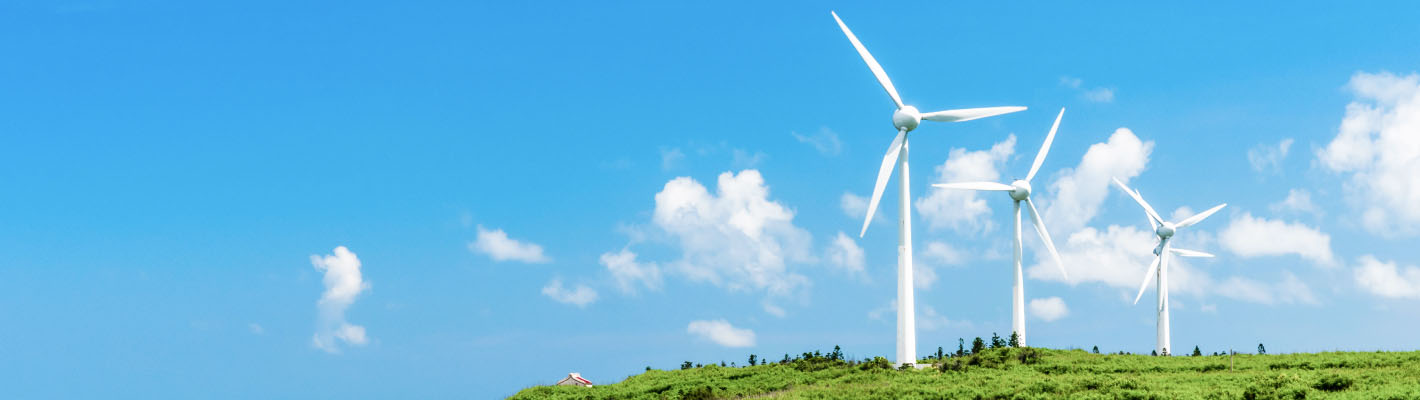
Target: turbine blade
[(976, 186), (884, 172), (872, 62), (1045, 148), (1190, 253), (967, 114), (1200, 216), (1045, 237), (1148, 276), (1147, 209)]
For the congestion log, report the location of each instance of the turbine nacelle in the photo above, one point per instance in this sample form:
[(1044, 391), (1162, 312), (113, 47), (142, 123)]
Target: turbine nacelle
[(1020, 190), (906, 119), (1165, 231)]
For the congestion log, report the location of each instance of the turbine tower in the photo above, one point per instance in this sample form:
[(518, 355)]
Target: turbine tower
[(905, 119), (1165, 231), (1020, 192)]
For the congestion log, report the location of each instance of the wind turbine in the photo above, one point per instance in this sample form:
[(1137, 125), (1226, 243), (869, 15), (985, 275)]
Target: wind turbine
[(1020, 192), (1165, 231), (905, 119)]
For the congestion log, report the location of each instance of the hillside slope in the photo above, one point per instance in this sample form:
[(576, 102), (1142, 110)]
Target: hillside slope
[(1028, 373)]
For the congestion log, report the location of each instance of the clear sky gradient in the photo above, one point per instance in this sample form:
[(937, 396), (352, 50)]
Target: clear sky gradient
[(518, 186)]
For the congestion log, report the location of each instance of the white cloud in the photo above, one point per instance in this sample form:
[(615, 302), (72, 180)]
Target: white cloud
[(1118, 257), (1386, 279), (963, 210), (774, 310), (923, 274), (671, 158), (1268, 158), (825, 141), (1297, 201), (256, 329), (942, 253), (1049, 308), (722, 333), (1377, 150), (845, 254), (1097, 94), (628, 272), (1077, 194), (856, 207), (1288, 291), (744, 159), (579, 296), (343, 283), (496, 244), (928, 319), (736, 237), (1250, 236)]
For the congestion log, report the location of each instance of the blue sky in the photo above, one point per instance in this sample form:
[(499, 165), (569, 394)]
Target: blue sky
[(449, 199)]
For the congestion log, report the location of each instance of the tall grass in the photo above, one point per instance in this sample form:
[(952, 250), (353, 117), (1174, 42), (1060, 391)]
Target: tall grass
[(1030, 373)]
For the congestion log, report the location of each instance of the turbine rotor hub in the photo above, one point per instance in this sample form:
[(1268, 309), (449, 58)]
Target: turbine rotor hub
[(1020, 190), (906, 118)]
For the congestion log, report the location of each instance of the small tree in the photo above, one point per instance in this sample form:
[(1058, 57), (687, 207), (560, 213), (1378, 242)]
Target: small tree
[(837, 353), (1095, 350), (685, 365), (648, 368), (1197, 352), (722, 363), (1260, 349), (753, 359), (977, 345), (961, 347), (786, 359), (939, 353), (1015, 340), (1154, 353), (996, 341)]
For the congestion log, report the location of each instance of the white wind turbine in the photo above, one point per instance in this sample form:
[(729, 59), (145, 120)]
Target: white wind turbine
[(1020, 192), (1165, 231), (905, 119)]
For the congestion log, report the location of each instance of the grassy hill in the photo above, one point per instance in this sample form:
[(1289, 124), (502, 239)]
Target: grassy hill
[(1030, 373)]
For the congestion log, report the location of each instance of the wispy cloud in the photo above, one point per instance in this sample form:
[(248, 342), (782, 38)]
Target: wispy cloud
[(1249, 236), (1267, 158), (1094, 94), (579, 296), (825, 141), (722, 333)]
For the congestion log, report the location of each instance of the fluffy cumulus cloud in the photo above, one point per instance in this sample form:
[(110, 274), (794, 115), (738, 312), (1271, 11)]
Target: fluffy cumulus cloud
[(845, 255), (630, 273), (1249, 236), (1076, 196), (722, 333), (1049, 308), (1377, 150), (1387, 279), (343, 283), (1268, 158), (579, 296), (736, 237), (497, 245), (963, 210)]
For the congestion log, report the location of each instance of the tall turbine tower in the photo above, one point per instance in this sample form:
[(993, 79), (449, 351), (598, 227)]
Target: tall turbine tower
[(1020, 192), (1165, 231), (905, 119)]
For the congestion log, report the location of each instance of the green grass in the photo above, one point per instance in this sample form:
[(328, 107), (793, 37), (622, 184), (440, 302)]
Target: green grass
[(1003, 374)]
